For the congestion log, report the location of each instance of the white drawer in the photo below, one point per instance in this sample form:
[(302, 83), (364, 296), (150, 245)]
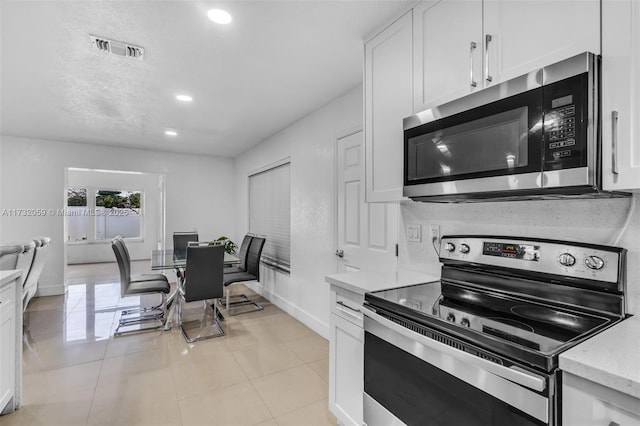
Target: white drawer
[(347, 305)]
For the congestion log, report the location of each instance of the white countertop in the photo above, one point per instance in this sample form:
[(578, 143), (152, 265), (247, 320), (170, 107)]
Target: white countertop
[(9, 275), (363, 282), (611, 358)]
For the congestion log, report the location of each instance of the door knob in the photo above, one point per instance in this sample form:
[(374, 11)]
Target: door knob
[(340, 253)]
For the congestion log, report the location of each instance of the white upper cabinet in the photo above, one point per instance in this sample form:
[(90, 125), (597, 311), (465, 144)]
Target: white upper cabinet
[(465, 45), (528, 34), (620, 95), (447, 38), (388, 98)]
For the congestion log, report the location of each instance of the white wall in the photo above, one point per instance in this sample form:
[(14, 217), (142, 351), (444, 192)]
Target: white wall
[(591, 221), (199, 191), (310, 143), (148, 184)]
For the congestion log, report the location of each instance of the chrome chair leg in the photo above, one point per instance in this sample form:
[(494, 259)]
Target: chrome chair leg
[(149, 319)]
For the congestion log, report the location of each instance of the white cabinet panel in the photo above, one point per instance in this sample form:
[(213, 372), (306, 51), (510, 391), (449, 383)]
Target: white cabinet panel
[(620, 95), (528, 34), (447, 37), (388, 99), (585, 403), (346, 357), (511, 38), (7, 344)]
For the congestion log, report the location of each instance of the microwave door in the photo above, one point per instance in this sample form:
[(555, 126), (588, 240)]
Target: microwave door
[(493, 148)]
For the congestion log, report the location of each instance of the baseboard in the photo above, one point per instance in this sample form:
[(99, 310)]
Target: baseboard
[(304, 317)]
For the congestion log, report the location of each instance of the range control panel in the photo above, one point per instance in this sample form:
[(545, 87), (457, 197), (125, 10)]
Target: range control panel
[(583, 261)]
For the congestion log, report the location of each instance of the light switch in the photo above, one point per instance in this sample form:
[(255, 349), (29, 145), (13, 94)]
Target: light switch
[(413, 233)]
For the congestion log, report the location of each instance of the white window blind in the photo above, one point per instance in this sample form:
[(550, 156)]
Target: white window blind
[(269, 214)]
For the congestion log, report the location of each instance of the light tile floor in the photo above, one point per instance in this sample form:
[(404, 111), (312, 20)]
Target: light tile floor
[(268, 369)]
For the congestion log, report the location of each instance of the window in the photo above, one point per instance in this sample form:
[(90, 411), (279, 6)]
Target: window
[(117, 213), (78, 214), (99, 214), (269, 214)]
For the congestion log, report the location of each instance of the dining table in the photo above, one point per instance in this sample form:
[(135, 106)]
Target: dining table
[(177, 259), (172, 259)]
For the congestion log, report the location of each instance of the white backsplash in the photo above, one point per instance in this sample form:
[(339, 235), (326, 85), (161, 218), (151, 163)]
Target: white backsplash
[(595, 221)]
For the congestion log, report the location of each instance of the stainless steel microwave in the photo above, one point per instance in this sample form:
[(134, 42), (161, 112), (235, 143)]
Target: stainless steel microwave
[(533, 136)]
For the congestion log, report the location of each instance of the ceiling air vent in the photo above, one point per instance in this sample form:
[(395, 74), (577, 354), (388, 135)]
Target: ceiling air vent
[(117, 47)]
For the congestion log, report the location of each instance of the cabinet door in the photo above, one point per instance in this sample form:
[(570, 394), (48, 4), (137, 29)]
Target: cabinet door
[(528, 34), (620, 95), (346, 370), (388, 98), (7, 345), (447, 37), (585, 403)]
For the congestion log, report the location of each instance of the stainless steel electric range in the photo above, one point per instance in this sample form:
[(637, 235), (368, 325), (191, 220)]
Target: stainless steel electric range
[(481, 346)]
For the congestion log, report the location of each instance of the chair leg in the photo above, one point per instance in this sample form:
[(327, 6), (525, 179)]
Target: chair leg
[(244, 300), (201, 330), (148, 319)]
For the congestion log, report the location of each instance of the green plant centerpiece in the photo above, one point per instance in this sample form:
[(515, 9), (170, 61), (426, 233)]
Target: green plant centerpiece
[(229, 246)]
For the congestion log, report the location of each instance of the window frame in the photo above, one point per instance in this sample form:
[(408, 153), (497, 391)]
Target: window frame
[(92, 193)]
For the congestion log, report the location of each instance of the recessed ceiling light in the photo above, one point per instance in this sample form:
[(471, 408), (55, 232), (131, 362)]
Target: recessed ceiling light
[(171, 132), (184, 98), (219, 16)]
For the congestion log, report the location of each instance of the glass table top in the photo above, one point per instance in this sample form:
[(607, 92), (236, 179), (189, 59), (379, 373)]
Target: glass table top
[(170, 259)]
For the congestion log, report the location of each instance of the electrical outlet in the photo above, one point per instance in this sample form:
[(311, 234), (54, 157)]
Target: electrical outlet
[(434, 232), (413, 233)]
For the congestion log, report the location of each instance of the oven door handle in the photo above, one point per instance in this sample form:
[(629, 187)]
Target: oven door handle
[(514, 374)]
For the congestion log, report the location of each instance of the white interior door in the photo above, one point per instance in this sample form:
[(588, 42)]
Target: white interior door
[(367, 232)]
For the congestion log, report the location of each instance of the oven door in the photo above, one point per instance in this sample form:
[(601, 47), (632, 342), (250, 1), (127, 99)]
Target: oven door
[(415, 380)]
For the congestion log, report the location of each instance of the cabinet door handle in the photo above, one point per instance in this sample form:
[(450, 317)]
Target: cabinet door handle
[(487, 40), (614, 142), (341, 303), (473, 46)]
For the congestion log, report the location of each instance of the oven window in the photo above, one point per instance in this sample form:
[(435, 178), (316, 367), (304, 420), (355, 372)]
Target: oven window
[(496, 142), (419, 394)]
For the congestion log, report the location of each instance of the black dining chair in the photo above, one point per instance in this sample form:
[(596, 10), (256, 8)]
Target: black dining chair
[(203, 281), (242, 255), (180, 242), (141, 318), (252, 273)]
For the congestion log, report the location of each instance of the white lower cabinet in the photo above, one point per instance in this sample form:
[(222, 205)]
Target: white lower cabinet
[(7, 345), (585, 403), (346, 357)]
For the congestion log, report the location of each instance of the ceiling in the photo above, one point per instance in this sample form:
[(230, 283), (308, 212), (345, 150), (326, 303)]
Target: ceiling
[(276, 62)]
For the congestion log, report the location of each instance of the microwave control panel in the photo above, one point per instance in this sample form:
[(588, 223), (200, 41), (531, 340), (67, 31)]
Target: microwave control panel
[(564, 135)]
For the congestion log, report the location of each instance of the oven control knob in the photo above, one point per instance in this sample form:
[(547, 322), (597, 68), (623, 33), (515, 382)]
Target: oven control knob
[(567, 259), (465, 322), (594, 262), (450, 247), (451, 317), (464, 248)]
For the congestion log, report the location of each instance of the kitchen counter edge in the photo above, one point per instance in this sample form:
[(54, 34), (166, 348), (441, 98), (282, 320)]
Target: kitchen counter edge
[(609, 358), (362, 282), (9, 275)]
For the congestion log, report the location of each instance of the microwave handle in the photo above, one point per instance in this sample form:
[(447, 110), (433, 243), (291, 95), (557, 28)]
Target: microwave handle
[(487, 40), (472, 47), (614, 142)]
